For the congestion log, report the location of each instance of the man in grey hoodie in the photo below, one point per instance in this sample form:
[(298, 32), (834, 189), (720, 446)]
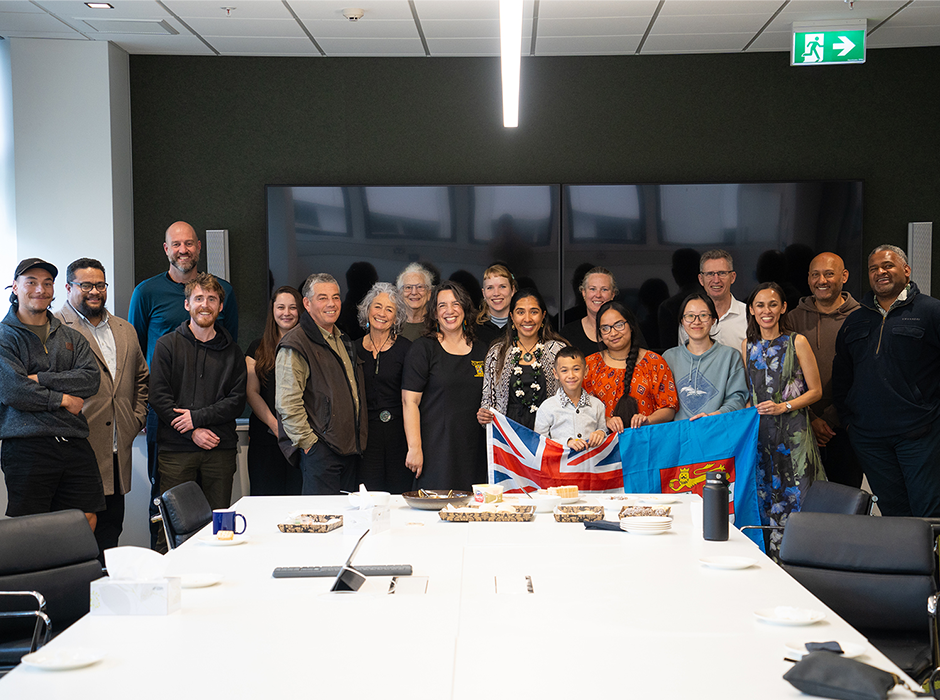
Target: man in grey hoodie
[(819, 317), (47, 370)]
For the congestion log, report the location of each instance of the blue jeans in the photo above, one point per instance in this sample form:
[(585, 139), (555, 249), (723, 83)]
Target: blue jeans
[(902, 470)]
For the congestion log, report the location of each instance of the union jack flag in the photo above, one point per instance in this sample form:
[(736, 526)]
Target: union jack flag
[(521, 459)]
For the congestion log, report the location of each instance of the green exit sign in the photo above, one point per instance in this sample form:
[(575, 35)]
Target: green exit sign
[(823, 44)]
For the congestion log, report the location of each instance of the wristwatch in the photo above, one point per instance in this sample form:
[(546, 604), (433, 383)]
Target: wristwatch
[(789, 407)]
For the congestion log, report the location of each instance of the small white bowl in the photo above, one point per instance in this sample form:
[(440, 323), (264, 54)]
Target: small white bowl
[(379, 498), (544, 503)]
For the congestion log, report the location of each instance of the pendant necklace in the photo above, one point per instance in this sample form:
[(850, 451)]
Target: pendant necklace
[(527, 355), (378, 353)]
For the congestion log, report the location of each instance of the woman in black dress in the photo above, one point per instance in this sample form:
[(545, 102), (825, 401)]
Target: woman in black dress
[(598, 287), (382, 312), (441, 388), (269, 472)]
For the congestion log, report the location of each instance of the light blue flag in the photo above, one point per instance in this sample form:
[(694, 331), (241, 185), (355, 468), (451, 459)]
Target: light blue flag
[(675, 457)]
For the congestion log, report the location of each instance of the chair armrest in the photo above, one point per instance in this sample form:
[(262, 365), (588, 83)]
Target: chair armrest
[(42, 619)]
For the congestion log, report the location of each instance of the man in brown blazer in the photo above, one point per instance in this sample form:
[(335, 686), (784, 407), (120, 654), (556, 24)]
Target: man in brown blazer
[(118, 411)]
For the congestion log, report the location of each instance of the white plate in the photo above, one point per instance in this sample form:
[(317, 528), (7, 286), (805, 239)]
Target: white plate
[(646, 532), (570, 501), (770, 615), (797, 650), (216, 542), (199, 580), (63, 659), (658, 500), (727, 562)]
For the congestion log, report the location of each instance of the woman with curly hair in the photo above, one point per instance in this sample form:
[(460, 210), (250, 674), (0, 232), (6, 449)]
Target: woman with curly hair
[(518, 376), (441, 383), (382, 313), (784, 381)]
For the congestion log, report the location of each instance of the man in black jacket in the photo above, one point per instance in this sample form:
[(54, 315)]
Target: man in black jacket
[(886, 387), (197, 389)]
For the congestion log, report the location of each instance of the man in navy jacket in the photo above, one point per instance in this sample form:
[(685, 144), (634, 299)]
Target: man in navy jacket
[(886, 386)]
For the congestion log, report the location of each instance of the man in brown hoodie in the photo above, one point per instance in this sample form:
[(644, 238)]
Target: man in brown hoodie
[(819, 317)]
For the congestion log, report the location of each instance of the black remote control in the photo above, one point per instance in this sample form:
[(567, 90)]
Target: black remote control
[(331, 571)]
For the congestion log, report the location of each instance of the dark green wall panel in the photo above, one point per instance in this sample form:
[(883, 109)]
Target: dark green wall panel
[(209, 133)]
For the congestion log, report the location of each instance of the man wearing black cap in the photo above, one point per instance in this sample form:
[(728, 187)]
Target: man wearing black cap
[(47, 370)]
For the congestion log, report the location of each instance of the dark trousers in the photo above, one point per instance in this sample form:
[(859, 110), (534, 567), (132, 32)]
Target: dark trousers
[(269, 472), (903, 470), (111, 519), (383, 462), (841, 462), (326, 473), (153, 424)]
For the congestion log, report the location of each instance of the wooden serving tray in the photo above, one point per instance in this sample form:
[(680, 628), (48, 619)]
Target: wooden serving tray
[(518, 514), (578, 514), (313, 522)]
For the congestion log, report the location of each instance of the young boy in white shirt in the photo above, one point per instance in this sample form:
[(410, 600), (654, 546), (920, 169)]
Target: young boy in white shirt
[(572, 416)]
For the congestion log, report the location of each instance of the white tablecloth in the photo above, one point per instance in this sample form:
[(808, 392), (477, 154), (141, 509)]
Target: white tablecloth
[(611, 612)]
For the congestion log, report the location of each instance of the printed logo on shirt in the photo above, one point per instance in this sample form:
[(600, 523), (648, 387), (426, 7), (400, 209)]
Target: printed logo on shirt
[(478, 366)]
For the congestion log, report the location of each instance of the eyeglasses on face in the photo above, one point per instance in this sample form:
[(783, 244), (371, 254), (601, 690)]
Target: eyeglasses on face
[(414, 288), (689, 318), (88, 286), (720, 274), (619, 326)]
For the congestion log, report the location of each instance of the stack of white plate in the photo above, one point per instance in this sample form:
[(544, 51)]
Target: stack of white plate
[(646, 524)]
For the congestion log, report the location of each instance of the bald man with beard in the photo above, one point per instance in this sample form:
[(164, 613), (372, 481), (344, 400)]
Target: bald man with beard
[(819, 317)]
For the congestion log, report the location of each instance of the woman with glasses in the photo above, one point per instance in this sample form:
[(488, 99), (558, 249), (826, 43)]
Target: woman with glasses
[(622, 367), (709, 377), (784, 382), (441, 386), (414, 283), (518, 375)]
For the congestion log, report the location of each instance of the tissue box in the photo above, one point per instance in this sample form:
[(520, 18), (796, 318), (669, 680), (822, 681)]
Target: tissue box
[(358, 520), (159, 596)]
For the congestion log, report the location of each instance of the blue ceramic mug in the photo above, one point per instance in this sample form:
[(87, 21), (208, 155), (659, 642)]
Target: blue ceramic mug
[(224, 519)]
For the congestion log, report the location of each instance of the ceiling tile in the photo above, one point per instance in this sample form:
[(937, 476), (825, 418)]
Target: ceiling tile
[(339, 46), (888, 37), (72, 10), (180, 45), (701, 24), (916, 15), (230, 26), (459, 9), (659, 43), (577, 9), (592, 26), (375, 9), (29, 22), (462, 27), (587, 45), (263, 46), (772, 41), (244, 9), (454, 46), (362, 30)]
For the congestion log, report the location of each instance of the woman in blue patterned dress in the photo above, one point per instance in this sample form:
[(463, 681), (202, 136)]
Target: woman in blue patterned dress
[(784, 381)]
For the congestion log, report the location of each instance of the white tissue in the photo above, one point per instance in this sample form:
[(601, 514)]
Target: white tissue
[(134, 564)]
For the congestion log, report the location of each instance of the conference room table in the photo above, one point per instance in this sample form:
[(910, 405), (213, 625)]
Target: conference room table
[(610, 614)]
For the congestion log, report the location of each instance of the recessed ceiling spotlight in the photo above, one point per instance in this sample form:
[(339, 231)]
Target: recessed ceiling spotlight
[(100, 5), (353, 14)]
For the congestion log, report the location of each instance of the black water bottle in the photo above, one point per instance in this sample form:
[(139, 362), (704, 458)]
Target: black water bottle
[(715, 510)]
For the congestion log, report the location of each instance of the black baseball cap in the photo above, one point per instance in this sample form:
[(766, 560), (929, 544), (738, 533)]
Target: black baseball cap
[(30, 263)]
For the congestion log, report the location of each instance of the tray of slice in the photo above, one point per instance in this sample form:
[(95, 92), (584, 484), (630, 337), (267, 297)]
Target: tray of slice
[(312, 522), (488, 512), (578, 514)]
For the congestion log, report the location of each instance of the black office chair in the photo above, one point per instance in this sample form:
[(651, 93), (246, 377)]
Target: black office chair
[(830, 497), (184, 511), (875, 573), (47, 563)]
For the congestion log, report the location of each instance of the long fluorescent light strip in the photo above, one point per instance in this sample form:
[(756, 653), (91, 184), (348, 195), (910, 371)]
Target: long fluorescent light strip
[(510, 52)]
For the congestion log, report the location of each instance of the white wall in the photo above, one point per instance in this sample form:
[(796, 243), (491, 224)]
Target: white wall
[(71, 164), (72, 146)]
